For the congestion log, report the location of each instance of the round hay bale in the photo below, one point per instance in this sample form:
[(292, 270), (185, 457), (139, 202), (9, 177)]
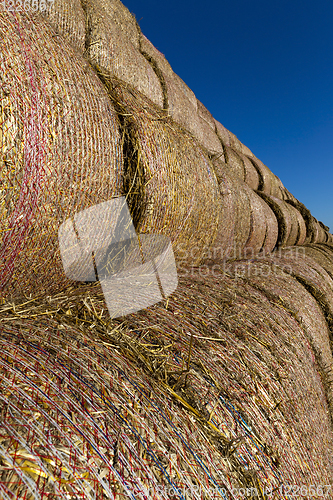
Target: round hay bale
[(180, 101), (310, 274), (113, 48), (294, 228), (176, 191), (321, 233), (282, 215), (323, 257), (234, 230), (265, 175), (264, 227), (258, 226), (67, 18), (287, 196), (60, 151), (224, 243), (279, 278), (277, 187), (301, 226), (251, 174), (222, 133), (170, 396), (272, 228), (235, 163), (235, 143), (311, 229)]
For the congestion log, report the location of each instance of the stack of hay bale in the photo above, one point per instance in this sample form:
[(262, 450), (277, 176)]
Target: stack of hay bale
[(222, 387)]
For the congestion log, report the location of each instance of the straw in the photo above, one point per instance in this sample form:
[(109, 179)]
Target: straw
[(61, 151), (208, 389), (178, 194), (68, 19), (113, 47)]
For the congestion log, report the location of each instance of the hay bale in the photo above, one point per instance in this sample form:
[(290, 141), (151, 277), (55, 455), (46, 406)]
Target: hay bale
[(224, 243), (277, 187), (247, 223), (251, 174), (67, 18), (310, 274), (301, 226), (113, 48), (264, 227), (222, 133), (279, 277), (241, 222), (172, 396), (323, 257), (311, 228), (175, 191), (294, 228), (283, 216), (234, 162), (265, 175), (181, 102), (60, 151), (321, 233)]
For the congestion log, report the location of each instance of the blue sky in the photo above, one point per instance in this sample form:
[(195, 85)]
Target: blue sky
[(264, 70)]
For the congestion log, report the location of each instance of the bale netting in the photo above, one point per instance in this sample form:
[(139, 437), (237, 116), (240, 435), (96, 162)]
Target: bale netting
[(282, 281), (321, 238), (197, 397), (222, 133), (235, 163), (319, 253), (178, 191), (234, 230), (181, 102), (113, 49), (250, 173), (311, 228), (265, 175), (283, 217), (60, 151), (309, 273), (67, 18), (264, 227)]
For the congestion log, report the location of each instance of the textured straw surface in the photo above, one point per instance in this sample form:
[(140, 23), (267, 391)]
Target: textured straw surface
[(311, 227), (321, 255), (283, 215), (179, 194), (234, 231), (204, 393), (60, 151), (280, 279), (247, 223), (234, 162), (265, 175), (114, 49), (251, 173), (68, 19)]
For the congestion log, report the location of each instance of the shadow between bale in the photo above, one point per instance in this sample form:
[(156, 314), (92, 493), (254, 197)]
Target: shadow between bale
[(282, 215), (180, 196)]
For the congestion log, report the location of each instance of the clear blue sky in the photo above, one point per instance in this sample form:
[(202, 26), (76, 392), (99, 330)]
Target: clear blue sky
[(263, 69)]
